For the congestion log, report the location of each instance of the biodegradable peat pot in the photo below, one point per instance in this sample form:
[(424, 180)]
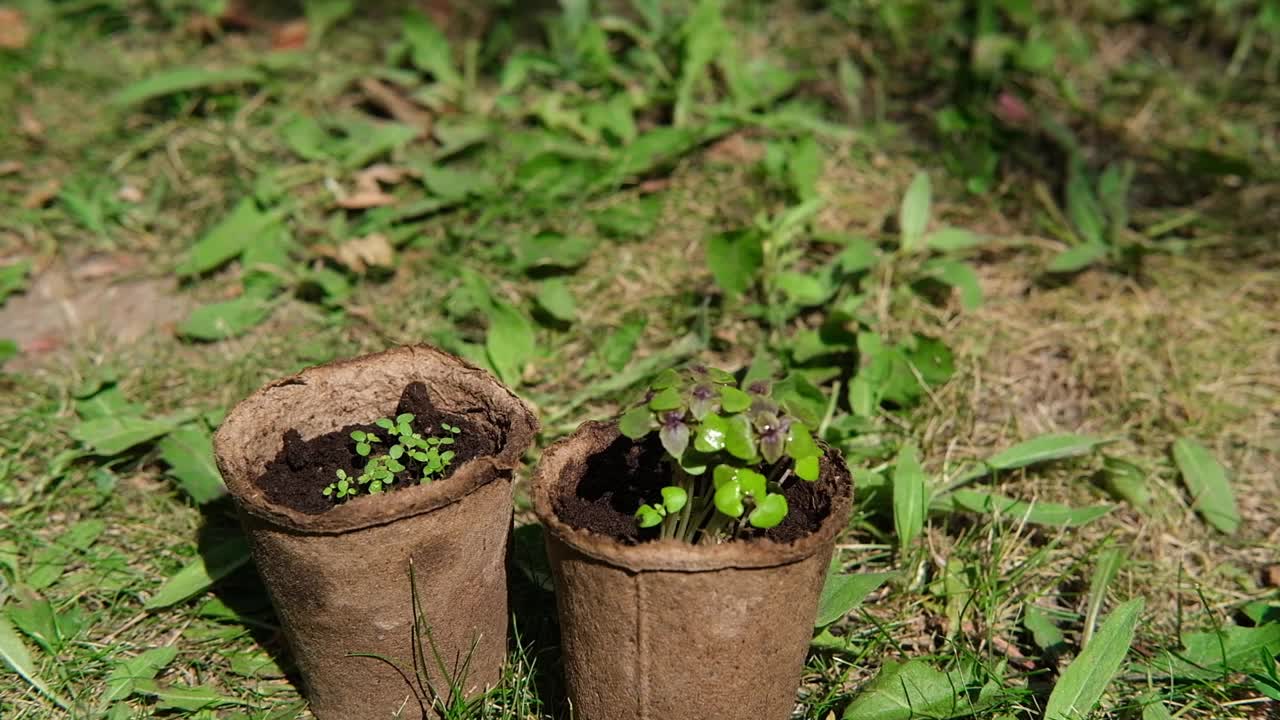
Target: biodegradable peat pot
[(664, 629), (339, 578)]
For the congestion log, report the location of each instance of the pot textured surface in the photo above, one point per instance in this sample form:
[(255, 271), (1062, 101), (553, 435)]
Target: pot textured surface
[(339, 580), (666, 630)]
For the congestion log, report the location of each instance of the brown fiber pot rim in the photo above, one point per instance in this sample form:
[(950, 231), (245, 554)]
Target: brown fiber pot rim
[(450, 379), (672, 555)]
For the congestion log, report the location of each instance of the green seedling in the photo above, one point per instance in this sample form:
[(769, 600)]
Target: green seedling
[(380, 471), (730, 451)]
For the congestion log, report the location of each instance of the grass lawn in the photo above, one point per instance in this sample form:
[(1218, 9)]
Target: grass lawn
[(1033, 244)]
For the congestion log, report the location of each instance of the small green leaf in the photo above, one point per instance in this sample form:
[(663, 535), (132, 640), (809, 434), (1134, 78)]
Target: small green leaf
[(804, 167), (808, 468), (909, 497), (1036, 513), (1078, 258), (1043, 449), (226, 240), (953, 239), (114, 434), (1206, 479), (735, 258), (728, 498), (1082, 206), (429, 47), (1126, 481), (555, 299), (674, 498), (963, 278), (769, 511), (510, 342), (188, 451), (711, 434), (915, 690), (1044, 632), (15, 654), (13, 278), (841, 593), (223, 320), (1081, 684), (636, 422), (913, 215), (214, 564), (739, 438), (668, 399), (552, 250), (618, 347), (733, 400), (182, 79), (648, 516), (143, 666), (1209, 655), (800, 444)]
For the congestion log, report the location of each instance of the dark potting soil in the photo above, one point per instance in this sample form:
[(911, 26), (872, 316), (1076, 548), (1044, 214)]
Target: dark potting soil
[(613, 483), (298, 475)]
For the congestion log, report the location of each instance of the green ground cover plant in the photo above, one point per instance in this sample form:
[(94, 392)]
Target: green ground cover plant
[(1014, 260)]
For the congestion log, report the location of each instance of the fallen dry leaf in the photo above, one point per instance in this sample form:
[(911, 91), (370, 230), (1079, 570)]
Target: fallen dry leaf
[(290, 36), (104, 265), (372, 177), (396, 105), (10, 167), (14, 33), (736, 148), (29, 124), (365, 199), (361, 254), (42, 344), (1273, 576), (40, 195), (130, 194)]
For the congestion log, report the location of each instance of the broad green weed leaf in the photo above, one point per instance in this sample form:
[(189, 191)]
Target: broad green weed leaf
[(188, 451), (114, 434), (455, 184), (859, 255), (805, 289), (1126, 481), (804, 168), (368, 141), (1036, 513), (213, 564), (1109, 563), (735, 258), (189, 699), (1209, 655), (915, 690), (704, 34), (963, 278), (310, 139), (510, 342), (225, 241), (323, 15), (222, 320), (953, 239), (1044, 632), (843, 593), (1207, 481), (909, 496), (913, 215), (552, 250), (1043, 449), (8, 349), (1082, 683), (631, 220), (143, 666), (429, 47), (555, 299), (1155, 710), (621, 343), (13, 278), (1083, 208), (1077, 258), (15, 654), (182, 79)]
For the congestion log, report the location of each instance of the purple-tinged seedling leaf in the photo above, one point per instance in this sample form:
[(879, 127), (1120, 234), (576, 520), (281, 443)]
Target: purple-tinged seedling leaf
[(773, 437), (668, 399), (733, 400), (674, 434), (759, 388), (702, 400), (711, 434), (674, 498), (769, 511), (636, 422)]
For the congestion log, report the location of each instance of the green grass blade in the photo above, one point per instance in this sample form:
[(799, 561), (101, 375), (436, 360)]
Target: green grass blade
[(182, 79), (1109, 563), (220, 561), (908, 497), (1206, 478), (1082, 683), (1043, 449)]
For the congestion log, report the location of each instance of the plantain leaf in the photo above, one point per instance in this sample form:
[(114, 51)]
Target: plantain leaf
[(1206, 478), (909, 490), (15, 654), (1082, 683), (212, 565)]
